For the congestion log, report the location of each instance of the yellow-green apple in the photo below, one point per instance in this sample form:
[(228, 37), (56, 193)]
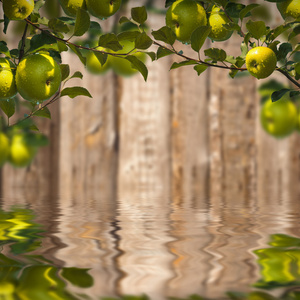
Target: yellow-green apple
[(18, 9), (279, 118), (38, 77), (4, 148), (183, 17), (289, 8), (261, 62), (70, 7), (103, 8), (8, 87)]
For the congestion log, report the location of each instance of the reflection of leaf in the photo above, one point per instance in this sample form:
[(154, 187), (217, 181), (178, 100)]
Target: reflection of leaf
[(78, 277)]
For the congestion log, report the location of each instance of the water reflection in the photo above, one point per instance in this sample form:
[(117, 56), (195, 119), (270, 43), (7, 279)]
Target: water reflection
[(90, 249)]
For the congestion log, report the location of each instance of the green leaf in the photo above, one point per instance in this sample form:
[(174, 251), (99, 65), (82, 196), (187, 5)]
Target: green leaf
[(110, 40), (273, 34), (199, 36), (216, 54), (200, 68), (65, 71), (82, 23), (77, 74), (279, 94), (297, 67), (36, 139), (75, 91), (283, 240), (128, 35), (4, 49), (283, 50), (43, 41), (102, 57), (143, 41), (176, 65), (78, 277), (246, 10), (78, 53), (152, 55), (124, 20), (165, 34), (8, 107), (161, 52), (294, 33), (244, 49), (138, 65), (139, 14), (44, 112), (234, 9), (37, 6), (58, 25), (169, 3), (257, 29)]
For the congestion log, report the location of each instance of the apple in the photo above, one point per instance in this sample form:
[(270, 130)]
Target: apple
[(21, 152), (103, 8), (18, 9), (4, 148), (183, 17), (279, 118), (216, 20), (70, 7), (261, 62), (122, 66), (94, 66), (38, 77), (8, 87), (289, 8)]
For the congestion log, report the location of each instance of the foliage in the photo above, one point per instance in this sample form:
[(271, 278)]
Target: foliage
[(47, 32)]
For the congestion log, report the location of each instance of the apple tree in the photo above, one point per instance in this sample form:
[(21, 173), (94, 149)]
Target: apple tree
[(34, 75)]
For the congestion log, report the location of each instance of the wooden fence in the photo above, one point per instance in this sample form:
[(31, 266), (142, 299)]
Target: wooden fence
[(176, 135)]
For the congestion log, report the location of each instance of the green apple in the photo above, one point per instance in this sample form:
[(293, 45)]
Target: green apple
[(279, 118), (94, 66), (70, 7), (4, 148), (289, 8), (183, 17), (38, 77), (8, 87), (103, 8), (216, 20), (18, 9), (261, 62), (21, 152), (122, 66)]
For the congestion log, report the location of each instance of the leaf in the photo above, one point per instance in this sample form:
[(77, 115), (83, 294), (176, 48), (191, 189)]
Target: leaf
[(161, 52), (165, 34), (43, 41), (78, 53), (138, 65), (4, 49), (78, 277), (294, 33), (44, 112), (139, 14), (110, 40), (65, 71), (279, 94), (152, 55), (283, 50), (36, 139), (257, 29), (176, 65), (102, 57), (234, 9), (200, 68), (273, 34), (82, 23), (75, 91), (58, 25), (128, 35), (37, 6), (143, 41), (169, 3), (124, 20), (216, 54), (77, 74), (246, 10), (8, 107), (199, 36)]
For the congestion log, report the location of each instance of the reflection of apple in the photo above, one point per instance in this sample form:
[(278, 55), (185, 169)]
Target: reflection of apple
[(216, 20), (103, 8), (8, 87), (183, 17), (122, 66), (289, 8), (279, 118), (38, 77), (70, 7), (17, 9), (21, 153), (4, 148), (261, 62)]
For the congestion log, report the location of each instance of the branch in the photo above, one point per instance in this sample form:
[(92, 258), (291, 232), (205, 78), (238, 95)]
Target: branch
[(289, 77)]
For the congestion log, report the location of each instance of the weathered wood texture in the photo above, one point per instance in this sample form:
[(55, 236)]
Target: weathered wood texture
[(178, 135)]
